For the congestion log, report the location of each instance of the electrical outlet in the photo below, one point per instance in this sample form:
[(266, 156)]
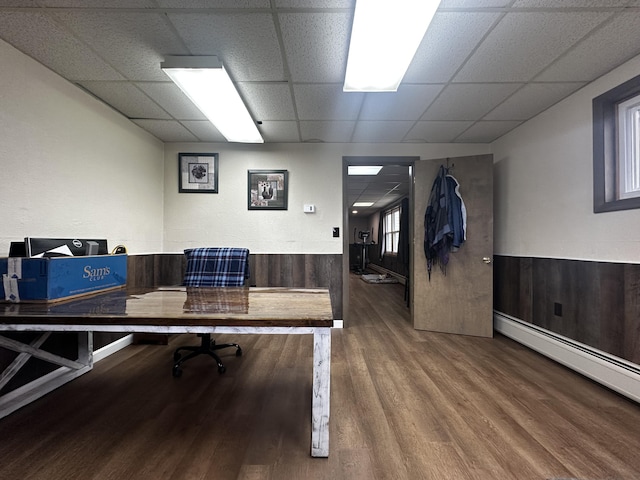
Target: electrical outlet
[(557, 309)]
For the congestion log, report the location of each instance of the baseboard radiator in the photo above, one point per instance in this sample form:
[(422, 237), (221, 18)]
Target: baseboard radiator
[(611, 371)]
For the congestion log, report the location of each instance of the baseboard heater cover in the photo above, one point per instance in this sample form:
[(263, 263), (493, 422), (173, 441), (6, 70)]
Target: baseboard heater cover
[(611, 371)]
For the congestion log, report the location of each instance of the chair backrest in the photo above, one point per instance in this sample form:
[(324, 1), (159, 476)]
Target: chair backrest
[(216, 267)]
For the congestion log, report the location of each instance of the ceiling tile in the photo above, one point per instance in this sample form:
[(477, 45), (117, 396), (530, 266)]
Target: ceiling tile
[(204, 130), (131, 42), (474, 3), (614, 43), (568, 3), (172, 100), (315, 3), (210, 4), (523, 44), (34, 33), (96, 3), (316, 45), (408, 103), (326, 102), (126, 98), (381, 132), (329, 132), (19, 3), (280, 131), (268, 101), (438, 58), (166, 130), (246, 44), (486, 131), (532, 99), (436, 132), (469, 101)]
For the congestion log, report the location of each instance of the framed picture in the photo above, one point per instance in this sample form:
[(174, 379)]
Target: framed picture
[(198, 172), (268, 189)]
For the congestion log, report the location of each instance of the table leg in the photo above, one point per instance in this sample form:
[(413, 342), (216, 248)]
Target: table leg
[(321, 392)]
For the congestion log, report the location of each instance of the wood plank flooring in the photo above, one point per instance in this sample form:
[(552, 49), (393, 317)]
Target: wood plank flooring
[(404, 405)]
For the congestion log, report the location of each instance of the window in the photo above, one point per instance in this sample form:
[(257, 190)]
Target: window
[(391, 230), (628, 161), (616, 148)]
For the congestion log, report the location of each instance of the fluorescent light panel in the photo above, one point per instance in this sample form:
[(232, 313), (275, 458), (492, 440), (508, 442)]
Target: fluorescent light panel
[(207, 84), (364, 169), (362, 204), (384, 38)]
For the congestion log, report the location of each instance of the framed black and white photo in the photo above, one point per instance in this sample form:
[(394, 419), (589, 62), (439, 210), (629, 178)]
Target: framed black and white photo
[(268, 189), (198, 172)]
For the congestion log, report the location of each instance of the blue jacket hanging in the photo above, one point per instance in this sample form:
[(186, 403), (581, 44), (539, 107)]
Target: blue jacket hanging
[(443, 221)]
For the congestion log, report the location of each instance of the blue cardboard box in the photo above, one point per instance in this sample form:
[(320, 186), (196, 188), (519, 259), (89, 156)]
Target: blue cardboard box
[(59, 278)]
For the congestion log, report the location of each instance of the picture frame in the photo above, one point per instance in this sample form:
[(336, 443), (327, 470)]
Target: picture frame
[(198, 172), (268, 189)]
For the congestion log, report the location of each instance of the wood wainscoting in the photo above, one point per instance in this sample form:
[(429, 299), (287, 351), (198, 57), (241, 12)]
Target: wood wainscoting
[(594, 303), (267, 270), (583, 314)]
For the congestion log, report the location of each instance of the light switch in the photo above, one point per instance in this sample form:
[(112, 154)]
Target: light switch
[(309, 208)]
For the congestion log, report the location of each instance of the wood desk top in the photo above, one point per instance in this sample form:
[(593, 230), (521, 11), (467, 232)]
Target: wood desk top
[(169, 306)]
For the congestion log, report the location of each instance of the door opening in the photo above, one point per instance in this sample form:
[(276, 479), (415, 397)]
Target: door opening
[(368, 247)]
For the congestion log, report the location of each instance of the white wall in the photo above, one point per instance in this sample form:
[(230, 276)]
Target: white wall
[(315, 176), (543, 180), (72, 167)]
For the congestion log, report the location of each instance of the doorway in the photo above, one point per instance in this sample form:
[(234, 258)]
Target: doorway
[(459, 300), (361, 239)]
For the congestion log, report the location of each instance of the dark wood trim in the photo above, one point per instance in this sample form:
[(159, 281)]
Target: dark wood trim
[(595, 303), (267, 270)]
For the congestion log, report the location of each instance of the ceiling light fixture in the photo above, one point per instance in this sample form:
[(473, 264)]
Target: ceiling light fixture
[(364, 169), (207, 84), (362, 204), (384, 38)]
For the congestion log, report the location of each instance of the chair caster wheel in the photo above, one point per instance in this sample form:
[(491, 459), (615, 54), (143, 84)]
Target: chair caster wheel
[(177, 371), (239, 352), (221, 369)]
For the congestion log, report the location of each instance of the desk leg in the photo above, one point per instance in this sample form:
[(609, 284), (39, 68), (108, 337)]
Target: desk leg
[(69, 369), (321, 392)]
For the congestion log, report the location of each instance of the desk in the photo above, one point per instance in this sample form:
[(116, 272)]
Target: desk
[(177, 310)]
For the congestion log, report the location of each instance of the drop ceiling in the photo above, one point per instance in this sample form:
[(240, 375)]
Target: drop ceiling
[(386, 188), (483, 68)]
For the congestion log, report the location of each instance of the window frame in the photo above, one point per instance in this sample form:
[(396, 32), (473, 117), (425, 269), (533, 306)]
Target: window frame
[(605, 145)]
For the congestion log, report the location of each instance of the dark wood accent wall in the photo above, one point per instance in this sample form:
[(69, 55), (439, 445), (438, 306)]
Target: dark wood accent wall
[(300, 270), (155, 270), (267, 270), (595, 303)]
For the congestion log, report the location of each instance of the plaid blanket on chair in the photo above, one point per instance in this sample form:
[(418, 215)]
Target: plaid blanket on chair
[(216, 267)]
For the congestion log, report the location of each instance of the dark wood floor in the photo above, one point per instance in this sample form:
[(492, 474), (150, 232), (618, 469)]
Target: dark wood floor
[(404, 405)]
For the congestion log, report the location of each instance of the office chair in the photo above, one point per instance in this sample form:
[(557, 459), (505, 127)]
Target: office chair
[(212, 267)]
